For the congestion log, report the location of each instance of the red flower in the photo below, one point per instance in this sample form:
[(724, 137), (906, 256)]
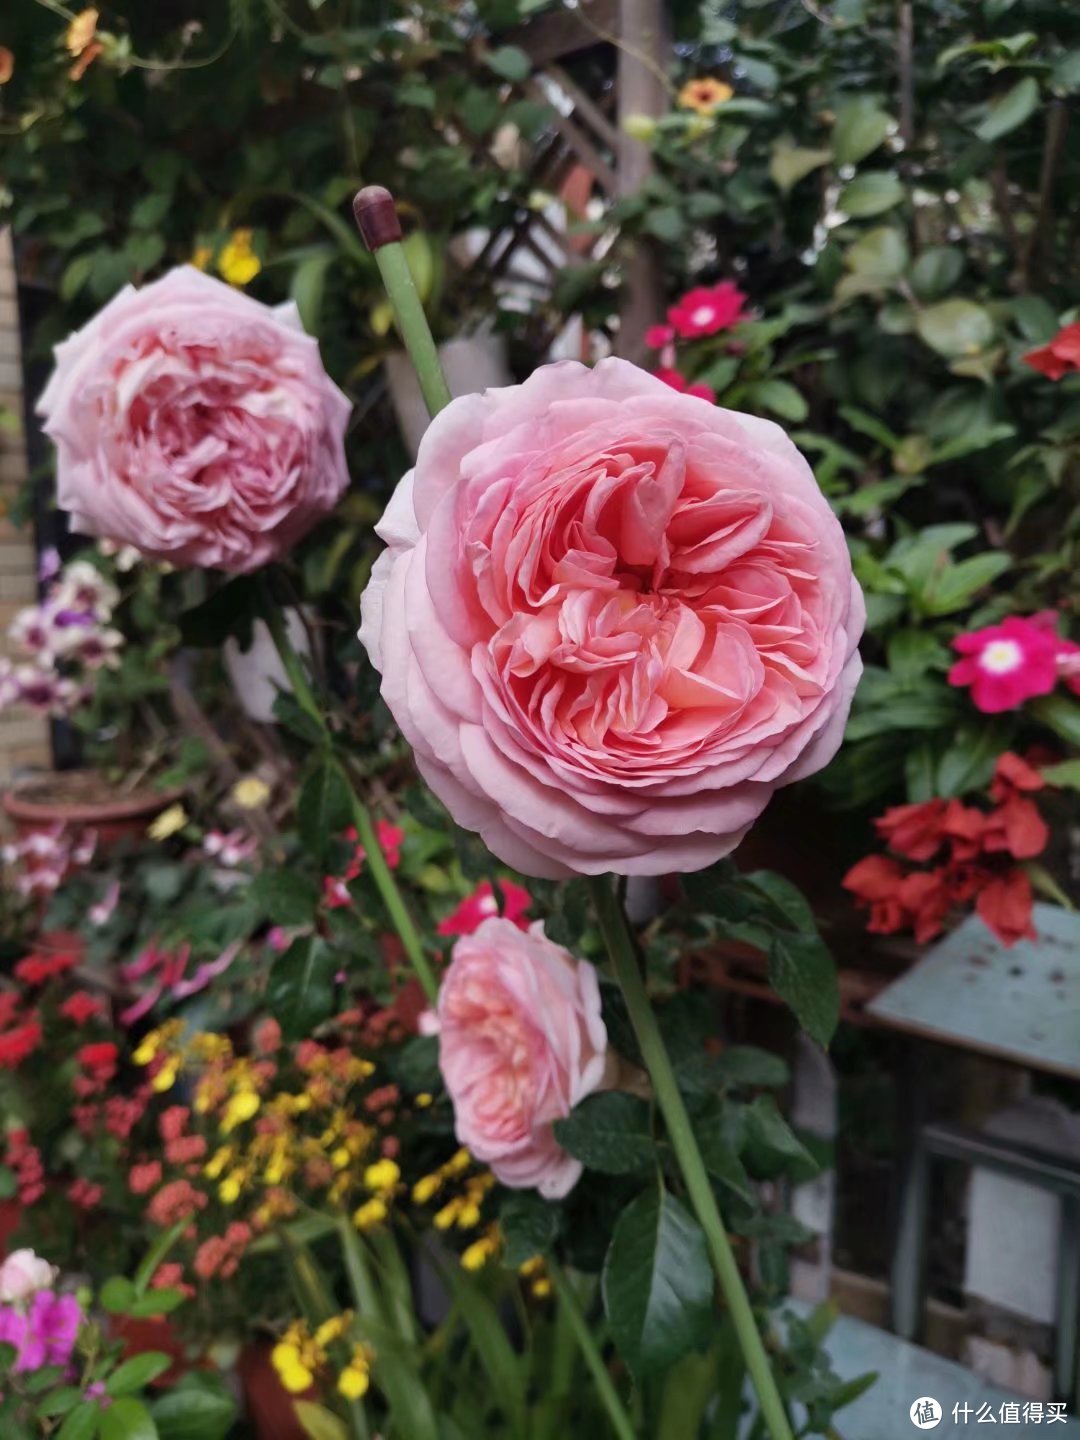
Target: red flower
[(173, 1122), (1061, 355), (170, 1276), (875, 881), (965, 828), (1004, 906), (924, 894), (704, 311), (482, 904), (914, 831), (178, 1200), (19, 1044), (144, 1178), (99, 1059), (698, 389), (40, 969), (1017, 828), (9, 1004), (335, 893), (1011, 773), (1007, 664), (81, 1008), (84, 1194)]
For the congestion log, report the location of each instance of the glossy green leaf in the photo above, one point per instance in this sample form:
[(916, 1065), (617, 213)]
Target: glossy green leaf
[(301, 988), (860, 127), (135, 1374), (81, 1423), (318, 1423), (323, 809), (871, 194), (529, 1226), (778, 397), (657, 1283), (803, 974), (509, 62), (771, 1147), (197, 1407), (955, 327), (880, 255), (788, 163), (127, 1419), (1008, 113), (936, 271)]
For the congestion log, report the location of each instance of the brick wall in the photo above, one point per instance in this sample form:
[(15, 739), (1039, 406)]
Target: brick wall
[(24, 738)]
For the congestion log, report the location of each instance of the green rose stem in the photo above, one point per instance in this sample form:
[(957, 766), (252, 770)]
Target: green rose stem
[(624, 959), (380, 870), (377, 220)]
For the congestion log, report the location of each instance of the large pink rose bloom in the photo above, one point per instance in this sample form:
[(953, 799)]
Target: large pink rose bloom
[(611, 620), (196, 424), (521, 1042)]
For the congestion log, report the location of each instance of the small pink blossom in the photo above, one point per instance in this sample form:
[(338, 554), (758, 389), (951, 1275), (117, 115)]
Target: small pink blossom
[(657, 336), (481, 905), (705, 310), (1009, 663)]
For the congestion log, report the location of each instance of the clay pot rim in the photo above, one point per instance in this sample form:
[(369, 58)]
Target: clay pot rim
[(19, 805)]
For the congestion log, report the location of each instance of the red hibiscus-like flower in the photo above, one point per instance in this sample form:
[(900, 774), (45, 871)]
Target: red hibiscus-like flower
[(81, 1007), (704, 311), (1060, 356), (875, 881), (1007, 664), (482, 904), (914, 831), (1004, 905), (98, 1060), (678, 382), (1011, 774)]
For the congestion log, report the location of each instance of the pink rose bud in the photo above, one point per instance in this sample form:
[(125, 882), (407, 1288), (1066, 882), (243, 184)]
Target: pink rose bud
[(196, 424), (521, 1042), (611, 620)]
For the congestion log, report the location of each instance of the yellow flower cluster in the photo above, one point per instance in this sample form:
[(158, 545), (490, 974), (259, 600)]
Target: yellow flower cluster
[(299, 1355), (463, 1210), (382, 1180), (162, 1044), (477, 1255)]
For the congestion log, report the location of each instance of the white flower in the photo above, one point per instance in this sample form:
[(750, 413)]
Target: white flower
[(22, 1274)]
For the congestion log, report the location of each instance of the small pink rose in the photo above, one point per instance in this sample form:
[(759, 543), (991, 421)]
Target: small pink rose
[(611, 621), (22, 1274), (521, 1042), (195, 424)]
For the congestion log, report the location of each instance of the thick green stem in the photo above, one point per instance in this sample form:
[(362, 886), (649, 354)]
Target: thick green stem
[(365, 829), (575, 1318), (412, 323), (624, 958)]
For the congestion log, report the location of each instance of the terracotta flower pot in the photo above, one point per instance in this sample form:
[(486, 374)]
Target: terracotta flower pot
[(153, 1334), (270, 1407), (83, 800)]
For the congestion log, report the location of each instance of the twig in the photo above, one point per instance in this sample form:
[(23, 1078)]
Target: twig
[(1041, 233), (905, 64)]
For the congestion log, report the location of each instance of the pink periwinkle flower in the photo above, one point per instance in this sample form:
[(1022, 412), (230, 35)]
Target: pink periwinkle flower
[(481, 905), (1012, 662), (196, 424), (707, 309), (521, 1042)]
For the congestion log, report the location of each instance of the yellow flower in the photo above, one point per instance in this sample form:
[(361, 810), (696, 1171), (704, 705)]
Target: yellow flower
[(201, 256), (340, 1158), (480, 1252), (541, 1288), (215, 1166), (383, 1175), (291, 1370), (426, 1188), (81, 32), (468, 1215), (168, 823), (333, 1329), (250, 793), (423, 1100), (458, 1162), (445, 1217), (165, 1078), (705, 95), (370, 1214), (242, 1106), (238, 263), (230, 1188), (355, 1379)]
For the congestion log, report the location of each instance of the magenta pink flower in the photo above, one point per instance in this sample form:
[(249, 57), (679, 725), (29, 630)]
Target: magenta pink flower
[(1009, 663), (521, 1042), (195, 424), (657, 336), (704, 311), (611, 620), (678, 382), (481, 905)]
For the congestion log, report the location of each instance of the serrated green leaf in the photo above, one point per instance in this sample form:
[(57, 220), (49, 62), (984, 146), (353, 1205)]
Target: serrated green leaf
[(609, 1132), (803, 974), (771, 1148), (529, 1226)]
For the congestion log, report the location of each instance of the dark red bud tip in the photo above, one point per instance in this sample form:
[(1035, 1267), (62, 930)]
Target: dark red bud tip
[(376, 216)]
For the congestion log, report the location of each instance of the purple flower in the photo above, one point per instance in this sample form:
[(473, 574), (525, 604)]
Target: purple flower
[(54, 1323), (48, 564)]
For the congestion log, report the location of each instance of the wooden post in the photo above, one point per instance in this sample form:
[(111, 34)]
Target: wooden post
[(642, 66)]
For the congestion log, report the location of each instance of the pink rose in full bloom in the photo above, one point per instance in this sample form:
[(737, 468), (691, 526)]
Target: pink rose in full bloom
[(521, 1042), (611, 621), (195, 424)]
